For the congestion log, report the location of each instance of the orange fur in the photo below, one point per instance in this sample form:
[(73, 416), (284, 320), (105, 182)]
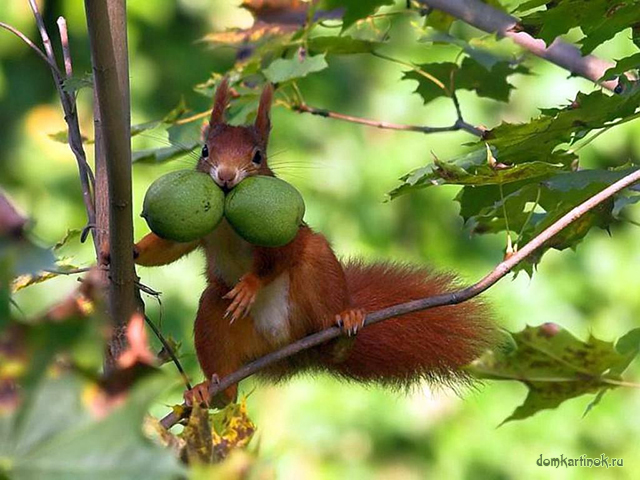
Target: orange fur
[(302, 288), (153, 251), (263, 121), (431, 344), (220, 104)]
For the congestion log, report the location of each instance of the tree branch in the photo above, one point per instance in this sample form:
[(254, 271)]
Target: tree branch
[(491, 20), (31, 45), (321, 112), (70, 111), (66, 51), (106, 21), (452, 298)]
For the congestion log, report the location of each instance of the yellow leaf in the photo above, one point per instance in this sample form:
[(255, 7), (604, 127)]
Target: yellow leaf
[(232, 428), (257, 32), (24, 281), (197, 435)]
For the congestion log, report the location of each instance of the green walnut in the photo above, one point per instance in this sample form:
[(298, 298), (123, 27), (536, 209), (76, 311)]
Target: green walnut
[(265, 211), (183, 206)]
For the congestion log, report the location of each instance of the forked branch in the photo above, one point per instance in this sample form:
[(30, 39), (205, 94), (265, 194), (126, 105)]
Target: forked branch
[(67, 101), (321, 112)]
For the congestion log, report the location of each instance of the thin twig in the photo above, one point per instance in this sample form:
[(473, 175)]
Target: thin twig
[(169, 350), (460, 121), (70, 114), (194, 117), (456, 103), (302, 107), (86, 174), (75, 271), (46, 41), (32, 45), (66, 52), (458, 125), (452, 298)]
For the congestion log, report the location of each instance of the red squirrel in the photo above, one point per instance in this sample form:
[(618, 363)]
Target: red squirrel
[(259, 299)]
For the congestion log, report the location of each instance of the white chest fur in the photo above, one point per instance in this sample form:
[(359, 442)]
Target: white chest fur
[(232, 255), (232, 258)]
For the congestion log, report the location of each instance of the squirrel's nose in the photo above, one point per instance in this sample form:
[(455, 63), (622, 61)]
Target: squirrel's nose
[(226, 176)]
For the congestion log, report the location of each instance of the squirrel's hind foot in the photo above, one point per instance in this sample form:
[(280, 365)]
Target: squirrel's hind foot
[(198, 394), (351, 320)]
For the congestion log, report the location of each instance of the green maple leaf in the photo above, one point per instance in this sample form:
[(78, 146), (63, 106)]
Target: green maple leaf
[(471, 169), (341, 45), (556, 366), (470, 75), (355, 9), (622, 66), (284, 69), (599, 20), (538, 138)]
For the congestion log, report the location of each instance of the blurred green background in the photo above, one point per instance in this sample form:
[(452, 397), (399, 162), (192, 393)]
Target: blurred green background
[(317, 427)]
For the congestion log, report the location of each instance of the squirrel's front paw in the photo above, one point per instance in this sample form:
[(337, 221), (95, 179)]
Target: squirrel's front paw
[(351, 320), (242, 296), (105, 256)]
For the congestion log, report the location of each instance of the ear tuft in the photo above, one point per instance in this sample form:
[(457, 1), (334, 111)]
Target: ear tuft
[(220, 103), (263, 122)]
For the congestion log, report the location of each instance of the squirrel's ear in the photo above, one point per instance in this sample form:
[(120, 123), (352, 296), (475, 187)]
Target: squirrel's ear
[(220, 103), (263, 123)]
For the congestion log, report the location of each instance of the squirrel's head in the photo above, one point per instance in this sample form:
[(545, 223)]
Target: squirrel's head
[(232, 153)]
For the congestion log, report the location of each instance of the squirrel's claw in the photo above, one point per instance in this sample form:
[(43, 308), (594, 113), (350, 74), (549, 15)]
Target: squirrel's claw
[(351, 320), (242, 297), (198, 394)]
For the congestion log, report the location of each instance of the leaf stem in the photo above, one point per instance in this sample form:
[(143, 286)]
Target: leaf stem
[(414, 68)]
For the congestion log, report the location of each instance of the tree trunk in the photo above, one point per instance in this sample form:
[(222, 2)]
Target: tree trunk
[(107, 25)]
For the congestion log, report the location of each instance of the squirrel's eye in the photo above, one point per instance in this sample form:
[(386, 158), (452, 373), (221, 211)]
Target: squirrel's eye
[(257, 157), (205, 151)]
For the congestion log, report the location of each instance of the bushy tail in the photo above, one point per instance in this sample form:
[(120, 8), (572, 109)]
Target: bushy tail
[(431, 344)]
